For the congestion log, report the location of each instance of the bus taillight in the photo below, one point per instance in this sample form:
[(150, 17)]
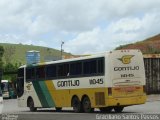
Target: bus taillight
[(110, 91)]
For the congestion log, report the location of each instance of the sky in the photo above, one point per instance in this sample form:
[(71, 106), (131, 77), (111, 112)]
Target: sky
[(85, 26)]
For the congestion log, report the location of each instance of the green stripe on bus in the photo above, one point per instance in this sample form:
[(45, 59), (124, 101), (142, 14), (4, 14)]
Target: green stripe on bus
[(46, 94), (40, 94)]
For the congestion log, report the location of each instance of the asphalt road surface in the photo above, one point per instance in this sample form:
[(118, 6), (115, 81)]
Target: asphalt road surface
[(11, 110)]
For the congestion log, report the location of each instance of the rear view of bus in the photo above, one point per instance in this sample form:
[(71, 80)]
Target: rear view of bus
[(127, 79)]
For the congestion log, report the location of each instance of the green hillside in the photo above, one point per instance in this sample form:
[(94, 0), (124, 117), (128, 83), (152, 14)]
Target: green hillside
[(19, 52)]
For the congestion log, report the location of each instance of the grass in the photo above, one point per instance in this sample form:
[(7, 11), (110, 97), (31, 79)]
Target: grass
[(20, 52)]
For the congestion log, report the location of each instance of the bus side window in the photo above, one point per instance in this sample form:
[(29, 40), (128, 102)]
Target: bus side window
[(90, 67), (76, 68), (30, 74), (93, 67), (101, 66), (63, 70), (40, 72), (51, 71)]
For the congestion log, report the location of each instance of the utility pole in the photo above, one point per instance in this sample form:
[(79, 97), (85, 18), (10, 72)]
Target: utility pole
[(62, 49)]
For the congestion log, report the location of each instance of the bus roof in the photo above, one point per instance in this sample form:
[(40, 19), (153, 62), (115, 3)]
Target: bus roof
[(78, 58), (69, 60)]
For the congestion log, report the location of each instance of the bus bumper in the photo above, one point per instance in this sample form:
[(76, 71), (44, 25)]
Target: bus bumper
[(126, 101)]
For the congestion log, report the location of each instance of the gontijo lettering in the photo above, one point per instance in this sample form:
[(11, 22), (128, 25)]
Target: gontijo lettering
[(129, 68), (68, 83)]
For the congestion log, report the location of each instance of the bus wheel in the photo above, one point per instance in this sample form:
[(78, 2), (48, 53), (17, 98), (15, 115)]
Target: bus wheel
[(76, 104), (58, 109), (87, 105), (118, 109), (31, 105), (106, 109)]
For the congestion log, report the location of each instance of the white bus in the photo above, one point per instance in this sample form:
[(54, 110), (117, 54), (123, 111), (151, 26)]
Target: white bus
[(108, 81)]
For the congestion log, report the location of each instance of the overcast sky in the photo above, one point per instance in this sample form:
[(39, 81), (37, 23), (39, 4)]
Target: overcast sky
[(86, 26)]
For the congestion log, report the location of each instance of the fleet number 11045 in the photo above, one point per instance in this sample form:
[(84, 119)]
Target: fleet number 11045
[(96, 81)]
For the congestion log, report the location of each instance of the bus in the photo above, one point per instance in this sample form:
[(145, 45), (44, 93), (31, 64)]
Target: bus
[(107, 81), (7, 89)]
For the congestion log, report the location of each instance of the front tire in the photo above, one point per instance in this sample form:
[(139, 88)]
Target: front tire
[(87, 105), (31, 105)]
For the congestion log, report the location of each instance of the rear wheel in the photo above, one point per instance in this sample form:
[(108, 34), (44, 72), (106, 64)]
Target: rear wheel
[(87, 105), (118, 109), (76, 104), (106, 109), (31, 105)]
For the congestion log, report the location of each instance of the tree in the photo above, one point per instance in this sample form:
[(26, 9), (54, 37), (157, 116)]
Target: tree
[(10, 70), (8, 53), (1, 62)]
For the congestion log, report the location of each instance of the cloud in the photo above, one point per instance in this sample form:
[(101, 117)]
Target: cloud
[(84, 42), (86, 26), (123, 31)]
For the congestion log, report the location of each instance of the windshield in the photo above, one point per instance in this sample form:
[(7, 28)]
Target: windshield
[(4, 86), (20, 82)]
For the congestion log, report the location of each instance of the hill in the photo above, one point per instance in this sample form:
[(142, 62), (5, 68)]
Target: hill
[(17, 52), (147, 46)]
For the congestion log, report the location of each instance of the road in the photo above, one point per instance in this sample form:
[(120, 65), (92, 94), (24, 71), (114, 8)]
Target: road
[(11, 108)]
